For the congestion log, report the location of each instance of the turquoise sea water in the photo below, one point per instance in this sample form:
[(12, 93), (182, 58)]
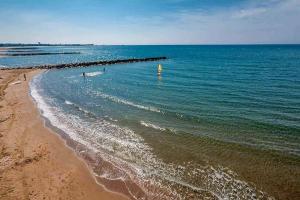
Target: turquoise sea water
[(221, 122)]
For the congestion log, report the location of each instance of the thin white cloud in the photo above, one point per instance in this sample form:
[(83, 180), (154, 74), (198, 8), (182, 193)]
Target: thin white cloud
[(249, 12), (273, 21)]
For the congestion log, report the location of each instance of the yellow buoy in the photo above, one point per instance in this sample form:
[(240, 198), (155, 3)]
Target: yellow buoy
[(159, 69)]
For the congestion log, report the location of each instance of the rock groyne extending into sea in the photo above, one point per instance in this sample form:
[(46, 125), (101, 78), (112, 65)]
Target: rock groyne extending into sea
[(86, 64)]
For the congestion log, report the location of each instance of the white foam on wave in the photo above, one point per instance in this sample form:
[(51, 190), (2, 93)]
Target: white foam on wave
[(123, 101), (91, 74), (68, 102), (110, 118), (78, 107), (48, 111), (133, 159), (148, 124)]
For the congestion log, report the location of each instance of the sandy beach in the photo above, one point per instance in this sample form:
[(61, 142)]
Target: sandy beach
[(34, 162)]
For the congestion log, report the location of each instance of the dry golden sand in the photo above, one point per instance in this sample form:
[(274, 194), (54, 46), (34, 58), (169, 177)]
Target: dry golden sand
[(34, 161)]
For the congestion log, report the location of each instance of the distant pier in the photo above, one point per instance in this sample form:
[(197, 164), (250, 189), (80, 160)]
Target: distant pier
[(86, 64)]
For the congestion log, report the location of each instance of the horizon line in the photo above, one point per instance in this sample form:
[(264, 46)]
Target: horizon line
[(166, 44)]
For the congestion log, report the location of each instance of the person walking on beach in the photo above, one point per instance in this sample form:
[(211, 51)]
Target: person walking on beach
[(24, 77)]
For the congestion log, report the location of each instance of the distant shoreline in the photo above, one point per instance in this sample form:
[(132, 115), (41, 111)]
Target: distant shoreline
[(36, 54), (39, 44), (19, 45)]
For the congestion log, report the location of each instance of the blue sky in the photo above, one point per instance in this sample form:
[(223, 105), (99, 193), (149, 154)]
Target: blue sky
[(150, 21)]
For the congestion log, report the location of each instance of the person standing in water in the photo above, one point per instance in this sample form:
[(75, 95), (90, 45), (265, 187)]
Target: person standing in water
[(83, 74), (104, 69)]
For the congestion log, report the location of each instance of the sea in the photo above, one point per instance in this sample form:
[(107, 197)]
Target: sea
[(219, 122)]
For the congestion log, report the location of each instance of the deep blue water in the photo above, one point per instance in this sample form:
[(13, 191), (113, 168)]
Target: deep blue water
[(232, 95)]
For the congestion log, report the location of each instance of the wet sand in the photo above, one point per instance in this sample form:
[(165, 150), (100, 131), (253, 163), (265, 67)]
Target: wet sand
[(34, 162)]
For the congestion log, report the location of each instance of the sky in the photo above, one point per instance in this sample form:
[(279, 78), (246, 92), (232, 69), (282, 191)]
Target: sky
[(150, 21)]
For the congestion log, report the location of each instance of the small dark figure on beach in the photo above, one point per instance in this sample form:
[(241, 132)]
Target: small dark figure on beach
[(83, 74), (24, 77), (104, 69)]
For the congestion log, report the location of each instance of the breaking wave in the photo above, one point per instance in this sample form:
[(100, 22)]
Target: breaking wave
[(123, 101), (91, 74), (68, 102), (147, 124)]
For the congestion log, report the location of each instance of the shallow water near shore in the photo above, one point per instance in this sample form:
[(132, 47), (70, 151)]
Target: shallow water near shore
[(221, 122)]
